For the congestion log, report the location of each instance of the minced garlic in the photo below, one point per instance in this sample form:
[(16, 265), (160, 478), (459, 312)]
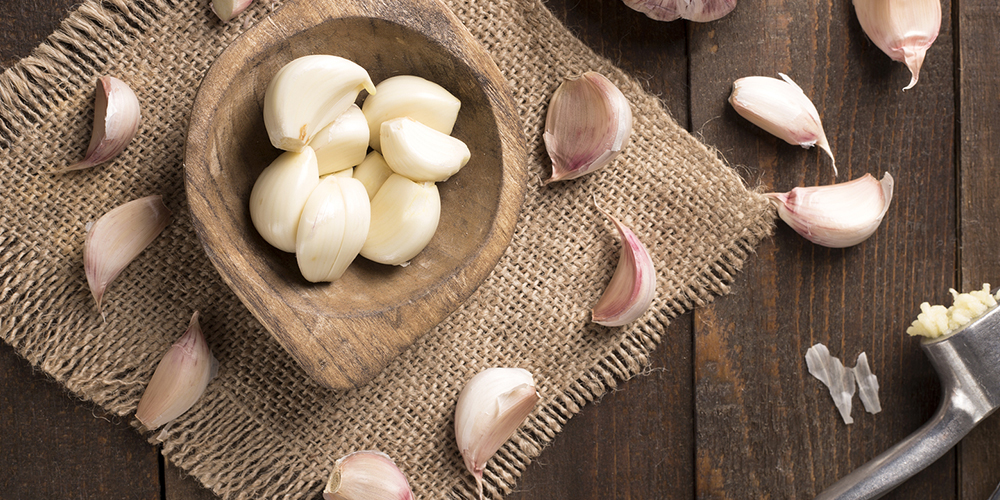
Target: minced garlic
[(937, 321)]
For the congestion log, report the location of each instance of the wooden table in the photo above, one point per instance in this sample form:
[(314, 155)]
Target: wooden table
[(727, 410)]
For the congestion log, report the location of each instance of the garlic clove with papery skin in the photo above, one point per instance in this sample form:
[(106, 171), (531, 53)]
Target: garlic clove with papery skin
[(838, 215), (367, 475), (491, 406), (179, 380), (343, 143), (903, 29), (405, 215), (228, 9), (116, 120), (781, 108), (412, 96), (589, 122), (280, 193), (632, 287), (420, 153), (699, 11)]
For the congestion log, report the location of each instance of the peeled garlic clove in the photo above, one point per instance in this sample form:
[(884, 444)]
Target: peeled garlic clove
[(420, 153), (116, 120), (405, 215), (589, 122), (838, 215), (839, 380), (308, 94), (700, 11), (367, 475), (347, 173), (228, 9), (118, 237), (332, 229), (407, 95), (491, 407), (372, 172), (343, 143), (633, 286), (781, 108), (903, 29), (179, 380), (280, 193)]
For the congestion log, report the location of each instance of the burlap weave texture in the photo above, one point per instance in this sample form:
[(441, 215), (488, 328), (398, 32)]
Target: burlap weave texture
[(263, 429)]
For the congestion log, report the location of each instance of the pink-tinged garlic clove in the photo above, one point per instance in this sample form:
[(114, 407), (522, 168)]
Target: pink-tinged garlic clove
[(228, 9), (699, 11), (903, 29), (632, 287), (367, 475), (116, 120)]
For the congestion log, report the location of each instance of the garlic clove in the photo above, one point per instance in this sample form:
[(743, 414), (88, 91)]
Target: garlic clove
[(903, 29), (179, 380), (308, 94), (118, 237), (490, 408), (280, 193), (373, 172), (420, 153), (404, 217), (343, 143), (781, 108), (588, 123), (407, 95), (116, 120), (347, 173), (699, 11), (332, 229), (367, 475), (838, 215), (633, 286), (228, 9)]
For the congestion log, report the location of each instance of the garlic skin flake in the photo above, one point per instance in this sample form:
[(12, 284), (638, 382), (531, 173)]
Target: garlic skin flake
[(373, 172), (228, 9), (179, 380), (782, 109), (490, 408), (903, 29), (343, 143), (405, 215), (116, 120), (118, 237), (837, 215), (420, 153), (633, 286), (333, 227), (699, 11), (588, 123), (280, 193), (413, 96), (867, 384), (839, 380), (367, 475), (308, 94)]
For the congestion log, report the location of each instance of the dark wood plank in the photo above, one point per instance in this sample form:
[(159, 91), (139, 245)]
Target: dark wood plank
[(24, 24), (979, 133), (765, 427)]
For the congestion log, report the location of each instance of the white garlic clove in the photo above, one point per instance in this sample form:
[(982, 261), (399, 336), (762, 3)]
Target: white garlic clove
[(699, 11), (347, 173), (367, 475), (179, 380), (343, 143), (781, 108), (228, 9), (116, 120), (280, 193), (332, 229), (491, 406), (420, 153), (308, 94), (838, 215), (407, 95), (118, 237), (633, 286), (404, 217), (903, 29), (373, 172), (589, 122)]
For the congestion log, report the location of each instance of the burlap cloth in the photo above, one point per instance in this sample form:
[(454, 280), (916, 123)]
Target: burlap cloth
[(263, 429)]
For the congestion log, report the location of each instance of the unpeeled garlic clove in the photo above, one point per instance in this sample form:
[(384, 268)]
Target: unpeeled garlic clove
[(633, 286), (333, 227), (367, 475), (699, 11), (118, 237), (588, 123), (343, 143), (419, 152), (280, 193), (405, 215), (903, 29), (308, 94), (490, 408), (408, 95), (228, 9), (781, 108), (116, 120), (179, 380), (838, 215), (372, 172)]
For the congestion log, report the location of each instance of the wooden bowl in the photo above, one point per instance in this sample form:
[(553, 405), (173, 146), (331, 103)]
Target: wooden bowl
[(344, 333)]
